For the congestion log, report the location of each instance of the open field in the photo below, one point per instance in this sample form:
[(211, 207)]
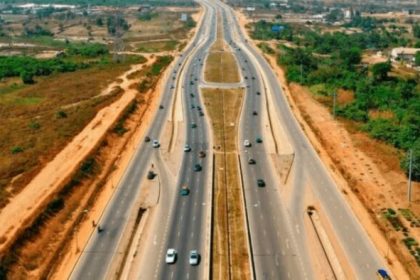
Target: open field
[(230, 247), (38, 120)]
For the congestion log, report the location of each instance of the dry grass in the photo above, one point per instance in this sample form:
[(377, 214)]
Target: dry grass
[(39, 120), (157, 46), (230, 247), (221, 68)]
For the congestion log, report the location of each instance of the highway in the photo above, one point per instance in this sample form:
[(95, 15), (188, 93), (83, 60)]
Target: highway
[(307, 167), (104, 248), (277, 234)]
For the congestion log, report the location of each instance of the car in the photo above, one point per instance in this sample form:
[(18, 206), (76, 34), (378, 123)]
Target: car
[(383, 274), (184, 190), (258, 140), (202, 154), (147, 139), (246, 77), (255, 113), (201, 113), (172, 87), (258, 93), (247, 143), (194, 257), (192, 94), (198, 107), (151, 175), (191, 83), (193, 125), (156, 144), (170, 257), (253, 77), (187, 148), (161, 107), (192, 106), (260, 183), (251, 161), (197, 167)]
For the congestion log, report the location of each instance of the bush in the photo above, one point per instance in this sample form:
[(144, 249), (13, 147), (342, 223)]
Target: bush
[(16, 150), (88, 50), (27, 77)]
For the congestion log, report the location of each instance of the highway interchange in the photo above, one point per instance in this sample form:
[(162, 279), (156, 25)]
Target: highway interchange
[(278, 243)]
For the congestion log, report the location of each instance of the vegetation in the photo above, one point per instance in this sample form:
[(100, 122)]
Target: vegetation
[(333, 60), (109, 2), (88, 50), (152, 74)]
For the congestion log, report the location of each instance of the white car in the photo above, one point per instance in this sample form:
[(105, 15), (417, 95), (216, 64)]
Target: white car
[(170, 256), (156, 144), (194, 257), (187, 148), (247, 143)]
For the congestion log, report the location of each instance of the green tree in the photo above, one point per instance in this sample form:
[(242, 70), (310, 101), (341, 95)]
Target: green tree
[(416, 30), (380, 70), (27, 77), (417, 58)]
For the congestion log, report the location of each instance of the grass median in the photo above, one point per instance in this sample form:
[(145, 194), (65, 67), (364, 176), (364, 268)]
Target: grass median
[(229, 245)]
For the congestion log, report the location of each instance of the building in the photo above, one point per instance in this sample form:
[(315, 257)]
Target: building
[(406, 55)]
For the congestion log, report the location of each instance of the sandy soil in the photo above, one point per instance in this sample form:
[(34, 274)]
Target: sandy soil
[(366, 181)]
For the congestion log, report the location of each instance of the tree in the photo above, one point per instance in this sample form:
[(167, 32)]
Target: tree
[(417, 58), (27, 77), (334, 16), (99, 21), (380, 70), (416, 30), (351, 56)]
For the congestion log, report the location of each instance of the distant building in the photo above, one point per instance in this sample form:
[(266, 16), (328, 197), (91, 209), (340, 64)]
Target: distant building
[(184, 17), (406, 55)]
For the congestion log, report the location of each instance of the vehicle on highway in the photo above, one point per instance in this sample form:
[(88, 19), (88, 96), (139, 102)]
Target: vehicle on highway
[(192, 94), (258, 93), (147, 139), (161, 107), (258, 140), (151, 175), (260, 183), (247, 143), (194, 257), (192, 106), (201, 113), (184, 190), (187, 148), (172, 87), (382, 274), (191, 83), (202, 154), (251, 161), (170, 256), (255, 113), (156, 144), (197, 167), (193, 125)]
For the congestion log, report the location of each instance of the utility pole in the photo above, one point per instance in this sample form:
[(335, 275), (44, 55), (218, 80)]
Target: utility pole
[(410, 167)]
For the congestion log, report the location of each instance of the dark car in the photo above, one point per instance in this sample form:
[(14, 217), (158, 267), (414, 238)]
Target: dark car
[(258, 93), (202, 154), (151, 175), (197, 167), (184, 191), (192, 94), (193, 125), (161, 107), (258, 140), (260, 183), (255, 113), (251, 161), (147, 139), (201, 113)]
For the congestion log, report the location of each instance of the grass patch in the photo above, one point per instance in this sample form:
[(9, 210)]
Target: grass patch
[(221, 68), (266, 48), (157, 46)]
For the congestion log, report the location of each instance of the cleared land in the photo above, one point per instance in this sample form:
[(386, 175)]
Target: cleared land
[(230, 248)]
